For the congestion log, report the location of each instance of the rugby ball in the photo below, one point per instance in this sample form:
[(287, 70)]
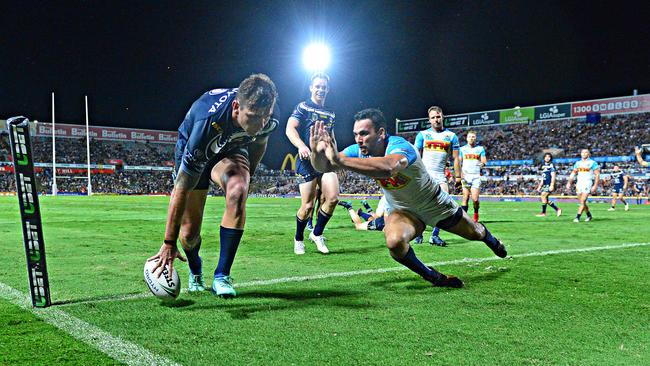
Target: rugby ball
[(167, 286)]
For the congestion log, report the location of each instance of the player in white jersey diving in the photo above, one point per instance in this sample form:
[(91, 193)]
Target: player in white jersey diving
[(436, 145), (588, 177), (472, 157), (415, 199)]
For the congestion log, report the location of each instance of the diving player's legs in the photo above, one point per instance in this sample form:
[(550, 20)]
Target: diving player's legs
[(233, 176), (190, 237), (461, 224), (400, 228), (329, 185), (307, 198)]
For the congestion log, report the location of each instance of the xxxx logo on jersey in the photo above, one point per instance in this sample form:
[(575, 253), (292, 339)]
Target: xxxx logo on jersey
[(436, 145), (581, 169), (398, 181), (471, 156)]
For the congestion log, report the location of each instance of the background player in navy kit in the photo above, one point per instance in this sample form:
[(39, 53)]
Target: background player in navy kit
[(222, 139), (547, 185), (619, 187), (304, 116)]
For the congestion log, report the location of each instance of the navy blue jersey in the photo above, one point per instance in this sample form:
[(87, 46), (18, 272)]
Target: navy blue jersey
[(618, 178), (308, 113), (547, 169), (208, 129)]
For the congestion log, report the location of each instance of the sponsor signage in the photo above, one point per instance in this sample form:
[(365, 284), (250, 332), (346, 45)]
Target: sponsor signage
[(509, 162), (637, 103), (484, 118), (517, 115), (408, 126), (555, 111), (106, 133), (457, 121)]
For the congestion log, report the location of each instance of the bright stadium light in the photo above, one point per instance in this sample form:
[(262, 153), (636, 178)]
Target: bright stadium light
[(316, 57)]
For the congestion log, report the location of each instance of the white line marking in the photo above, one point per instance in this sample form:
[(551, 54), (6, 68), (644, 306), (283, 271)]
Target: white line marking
[(374, 271), (113, 346)]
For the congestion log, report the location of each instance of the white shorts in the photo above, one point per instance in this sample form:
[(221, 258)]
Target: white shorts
[(583, 187), (472, 181), (441, 207), (438, 177)]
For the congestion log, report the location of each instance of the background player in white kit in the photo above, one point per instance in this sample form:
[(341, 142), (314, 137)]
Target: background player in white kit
[(588, 173), (472, 157), (436, 145)]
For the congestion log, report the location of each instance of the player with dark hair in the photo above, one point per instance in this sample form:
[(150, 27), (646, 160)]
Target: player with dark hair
[(222, 139), (620, 180), (304, 116), (547, 185), (587, 172), (416, 201), (436, 145), (472, 157)]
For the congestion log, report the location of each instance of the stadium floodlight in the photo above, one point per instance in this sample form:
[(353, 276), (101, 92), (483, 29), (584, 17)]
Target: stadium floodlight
[(316, 57)]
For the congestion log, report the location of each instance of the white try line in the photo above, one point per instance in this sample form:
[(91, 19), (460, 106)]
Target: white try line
[(113, 346), (374, 271)]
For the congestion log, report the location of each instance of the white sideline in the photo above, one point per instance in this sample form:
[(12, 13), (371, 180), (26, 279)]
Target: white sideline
[(375, 271), (113, 346)]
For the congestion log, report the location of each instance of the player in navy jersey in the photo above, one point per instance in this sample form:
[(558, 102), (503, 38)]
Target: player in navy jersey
[(547, 185), (222, 139), (371, 219), (639, 189), (303, 117), (619, 186), (415, 200)]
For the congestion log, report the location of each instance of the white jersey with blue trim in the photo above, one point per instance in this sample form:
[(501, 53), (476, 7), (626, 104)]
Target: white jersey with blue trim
[(471, 159), (436, 148), (409, 189), (584, 170)]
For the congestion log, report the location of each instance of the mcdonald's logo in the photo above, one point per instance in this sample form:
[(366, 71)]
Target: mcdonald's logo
[(291, 159)]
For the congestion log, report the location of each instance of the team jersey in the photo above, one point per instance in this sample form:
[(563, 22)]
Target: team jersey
[(208, 129), (471, 159), (308, 113), (410, 188), (585, 170), (547, 169), (618, 178), (436, 148)]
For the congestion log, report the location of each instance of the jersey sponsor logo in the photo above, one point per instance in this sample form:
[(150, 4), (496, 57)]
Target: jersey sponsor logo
[(436, 145), (583, 169), (216, 105), (217, 91), (471, 156), (398, 181)]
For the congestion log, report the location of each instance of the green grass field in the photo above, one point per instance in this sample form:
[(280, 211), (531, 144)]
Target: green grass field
[(574, 294)]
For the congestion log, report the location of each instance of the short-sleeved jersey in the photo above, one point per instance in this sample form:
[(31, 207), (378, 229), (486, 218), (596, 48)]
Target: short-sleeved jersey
[(585, 170), (410, 188), (208, 129), (618, 178), (471, 159), (308, 113), (547, 170), (436, 148)]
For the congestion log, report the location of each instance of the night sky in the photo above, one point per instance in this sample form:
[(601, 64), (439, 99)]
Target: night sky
[(143, 63)]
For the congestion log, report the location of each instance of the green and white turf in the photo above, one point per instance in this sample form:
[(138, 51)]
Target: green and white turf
[(570, 294)]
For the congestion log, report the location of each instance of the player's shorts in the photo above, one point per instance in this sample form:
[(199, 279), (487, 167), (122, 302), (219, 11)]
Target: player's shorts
[(617, 190), (306, 171), (441, 210), (546, 188), (471, 181), (438, 177), (204, 180), (583, 187), (377, 224)]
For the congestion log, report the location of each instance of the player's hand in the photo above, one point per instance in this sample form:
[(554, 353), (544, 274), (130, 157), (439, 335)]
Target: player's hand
[(551, 188), (304, 152), (568, 186), (593, 189), (637, 151), (166, 256)]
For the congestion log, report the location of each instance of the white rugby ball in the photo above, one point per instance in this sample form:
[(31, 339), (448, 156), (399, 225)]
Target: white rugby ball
[(167, 286)]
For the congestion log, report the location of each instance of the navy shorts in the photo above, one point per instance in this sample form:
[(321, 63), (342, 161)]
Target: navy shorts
[(617, 189), (204, 180), (377, 224), (306, 171)]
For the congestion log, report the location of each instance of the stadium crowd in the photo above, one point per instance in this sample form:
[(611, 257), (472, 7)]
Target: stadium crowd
[(612, 136)]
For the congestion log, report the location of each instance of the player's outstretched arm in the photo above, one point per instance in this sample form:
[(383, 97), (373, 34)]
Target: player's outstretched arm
[(320, 142), (169, 251), (639, 158)]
